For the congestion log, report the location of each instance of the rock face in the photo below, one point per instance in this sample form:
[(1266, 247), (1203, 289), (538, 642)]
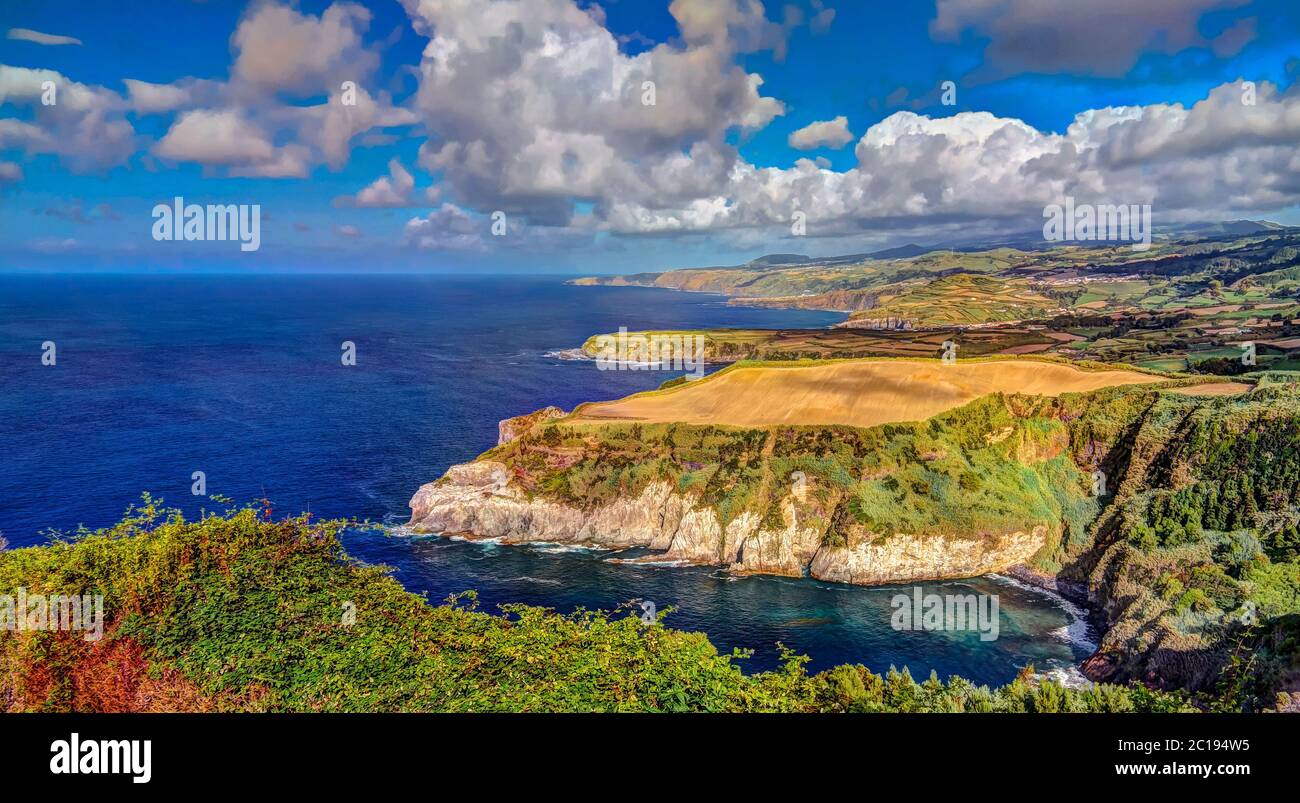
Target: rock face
[(907, 558), (511, 428), (477, 499)]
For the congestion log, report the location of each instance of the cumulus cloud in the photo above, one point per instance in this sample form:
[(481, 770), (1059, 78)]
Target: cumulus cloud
[(331, 128), (148, 98), (535, 112), (242, 126), (532, 106), (28, 35), (223, 137), (282, 49), (1219, 156), (390, 191), (245, 128), (450, 228), (85, 126), (1100, 37), (18, 134), (825, 133)]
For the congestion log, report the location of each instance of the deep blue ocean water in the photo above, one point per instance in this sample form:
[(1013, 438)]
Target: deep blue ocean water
[(240, 377)]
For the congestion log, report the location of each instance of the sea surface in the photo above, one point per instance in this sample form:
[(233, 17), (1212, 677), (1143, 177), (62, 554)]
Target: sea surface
[(240, 377)]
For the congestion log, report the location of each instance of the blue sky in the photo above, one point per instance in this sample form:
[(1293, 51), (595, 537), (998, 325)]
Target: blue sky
[(534, 112)]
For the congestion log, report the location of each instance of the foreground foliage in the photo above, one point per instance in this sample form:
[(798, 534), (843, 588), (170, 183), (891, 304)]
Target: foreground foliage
[(236, 613)]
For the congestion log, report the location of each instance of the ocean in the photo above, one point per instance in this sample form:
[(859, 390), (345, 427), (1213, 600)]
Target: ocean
[(239, 377)]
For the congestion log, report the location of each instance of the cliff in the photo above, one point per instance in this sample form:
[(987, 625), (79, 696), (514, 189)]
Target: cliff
[(475, 499), (1185, 549)]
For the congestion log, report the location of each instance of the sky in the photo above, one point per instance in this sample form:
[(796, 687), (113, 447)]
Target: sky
[(556, 136)]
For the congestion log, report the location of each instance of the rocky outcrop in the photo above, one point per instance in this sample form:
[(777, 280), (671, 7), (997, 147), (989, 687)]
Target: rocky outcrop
[(477, 499), (875, 559), (786, 551), (510, 429)]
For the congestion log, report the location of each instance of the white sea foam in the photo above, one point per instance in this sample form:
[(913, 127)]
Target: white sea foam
[(550, 546), (577, 355), (477, 540), (1078, 632), (1068, 676), (525, 578), (648, 562)]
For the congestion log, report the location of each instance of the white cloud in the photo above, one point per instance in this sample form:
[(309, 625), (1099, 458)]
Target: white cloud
[(17, 134), (532, 106), (240, 127), (244, 128), (85, 126), (391, 191), (536, 112), (148, 98), (1218, 157), (28, 35), (533, 109), (330, 128), (216, 137), (824, 133), (281, 49), (449, 227)]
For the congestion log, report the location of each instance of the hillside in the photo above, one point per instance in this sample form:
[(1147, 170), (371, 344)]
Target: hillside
[(957, 299), (1193, 523), (1190, 303)]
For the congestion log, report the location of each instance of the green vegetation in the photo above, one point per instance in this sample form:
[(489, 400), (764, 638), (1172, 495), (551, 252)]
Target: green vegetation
[(235, 613), (960, 298), (730, 345), (1202, 540), (1172, 307), (1195, 522), (947, 475)]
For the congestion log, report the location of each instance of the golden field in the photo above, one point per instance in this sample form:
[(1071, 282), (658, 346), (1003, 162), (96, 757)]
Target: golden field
[(859, 393)]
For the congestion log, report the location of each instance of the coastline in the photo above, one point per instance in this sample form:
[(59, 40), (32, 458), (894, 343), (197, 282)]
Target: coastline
[(712, 600)]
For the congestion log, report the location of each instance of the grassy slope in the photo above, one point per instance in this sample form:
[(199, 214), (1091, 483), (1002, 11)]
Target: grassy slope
[(959, 299)]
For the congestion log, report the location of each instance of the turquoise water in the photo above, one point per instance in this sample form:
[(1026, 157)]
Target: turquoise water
[(240, 377)]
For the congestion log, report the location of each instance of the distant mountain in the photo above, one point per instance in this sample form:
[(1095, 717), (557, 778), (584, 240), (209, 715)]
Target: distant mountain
[(1225, 228), (792, 260), (781, 259), (901, 252), (1031, 241)]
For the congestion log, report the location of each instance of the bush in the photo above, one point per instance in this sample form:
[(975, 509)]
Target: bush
[(236, 613)]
